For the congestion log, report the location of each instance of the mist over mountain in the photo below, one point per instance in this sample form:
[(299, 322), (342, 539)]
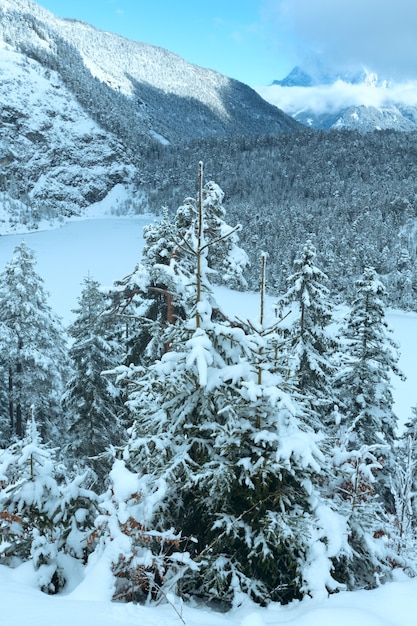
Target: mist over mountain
[(351, 100), (298, 77)]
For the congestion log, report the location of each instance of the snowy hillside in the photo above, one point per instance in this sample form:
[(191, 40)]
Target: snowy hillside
[(82, 109), (55, 158)]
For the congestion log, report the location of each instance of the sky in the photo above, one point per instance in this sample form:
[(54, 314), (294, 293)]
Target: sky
[(258, 41)]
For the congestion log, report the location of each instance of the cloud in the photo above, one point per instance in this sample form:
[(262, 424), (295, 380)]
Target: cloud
[(343, 34), (340, 95)]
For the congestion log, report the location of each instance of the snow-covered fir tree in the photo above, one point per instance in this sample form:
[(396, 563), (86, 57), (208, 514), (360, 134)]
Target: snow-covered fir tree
[(403, 488), (237, 461), (91, 400), (403, 280), (153, 294), (44, 518), (227, 260), (310, 345), (363, 384), (33, 352), (404, 482)]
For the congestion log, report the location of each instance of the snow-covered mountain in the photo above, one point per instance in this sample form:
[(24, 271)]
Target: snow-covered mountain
[(358, 100), (363, 118), (81, 109), (300, 78)]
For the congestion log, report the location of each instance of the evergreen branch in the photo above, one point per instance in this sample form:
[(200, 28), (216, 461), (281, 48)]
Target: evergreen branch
[(226, 236), (271, 496)]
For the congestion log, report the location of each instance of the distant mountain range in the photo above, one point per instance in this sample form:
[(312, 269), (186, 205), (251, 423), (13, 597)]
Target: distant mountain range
[(300, 78), (346, 100), (82, 110)]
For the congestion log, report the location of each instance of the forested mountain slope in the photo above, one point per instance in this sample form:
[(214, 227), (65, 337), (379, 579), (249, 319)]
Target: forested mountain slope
[(83, 112), (81, 109), (352, 194)]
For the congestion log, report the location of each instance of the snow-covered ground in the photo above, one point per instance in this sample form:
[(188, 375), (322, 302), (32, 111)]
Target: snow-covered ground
[(107, 249), (394, 604)]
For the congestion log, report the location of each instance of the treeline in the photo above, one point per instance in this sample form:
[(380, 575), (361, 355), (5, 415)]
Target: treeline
[(352, 194), (195, 454)]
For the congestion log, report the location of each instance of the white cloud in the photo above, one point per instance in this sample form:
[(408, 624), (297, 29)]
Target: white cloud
[(330, 98), (380, 34)]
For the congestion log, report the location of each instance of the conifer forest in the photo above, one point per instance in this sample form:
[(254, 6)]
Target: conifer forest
[(194, 453)]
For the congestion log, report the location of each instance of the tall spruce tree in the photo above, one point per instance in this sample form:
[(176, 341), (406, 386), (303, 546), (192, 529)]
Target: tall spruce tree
[(364, 382), (33, 354), (371, 356), (310, 345), (92, 402)]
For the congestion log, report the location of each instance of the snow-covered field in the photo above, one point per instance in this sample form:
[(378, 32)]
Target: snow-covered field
[(394, 604), (107, 249)]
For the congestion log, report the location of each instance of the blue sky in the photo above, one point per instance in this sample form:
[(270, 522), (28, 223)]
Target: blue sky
[(257, 41)]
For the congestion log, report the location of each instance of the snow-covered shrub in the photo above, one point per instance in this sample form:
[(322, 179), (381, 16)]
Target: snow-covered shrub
[(42, 516), (144, 564), (351, 485)]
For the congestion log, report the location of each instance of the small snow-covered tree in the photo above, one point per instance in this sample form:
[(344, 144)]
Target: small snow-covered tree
[(141, 563), (364, 382), (351, 486), (33, 355), (404, 484), (43, 518), (403, 488), (92, 401), (310, 344)]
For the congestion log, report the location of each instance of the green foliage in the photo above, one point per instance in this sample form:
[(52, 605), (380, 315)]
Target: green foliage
[(92, 403), (43, 517)]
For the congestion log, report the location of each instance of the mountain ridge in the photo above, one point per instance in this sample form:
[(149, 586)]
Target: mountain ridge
[(122, 64), (84, 109)]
